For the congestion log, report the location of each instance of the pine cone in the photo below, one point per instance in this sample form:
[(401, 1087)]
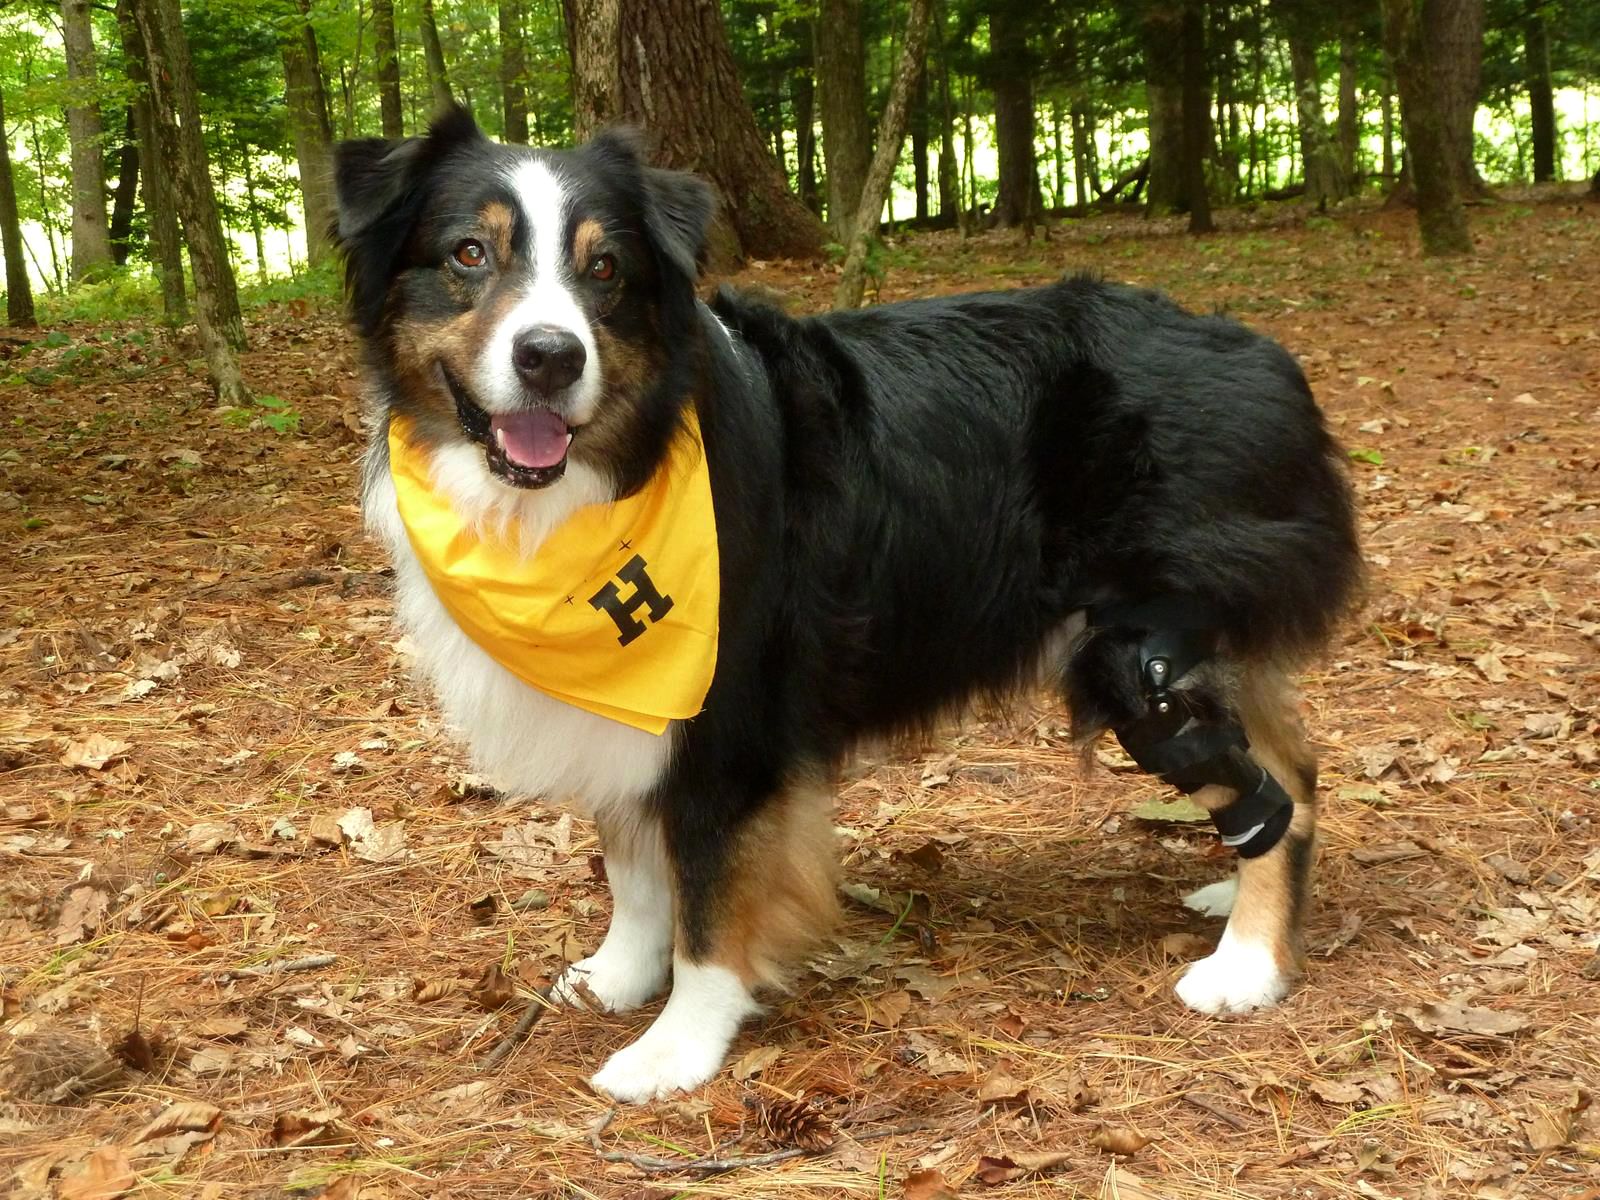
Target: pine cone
[(797, 1123)]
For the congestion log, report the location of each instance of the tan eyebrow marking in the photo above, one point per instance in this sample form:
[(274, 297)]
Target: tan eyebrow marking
[(586, 240), (498, 221)]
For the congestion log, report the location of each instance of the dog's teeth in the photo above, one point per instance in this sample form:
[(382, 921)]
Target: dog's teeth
[(569, 437), (500, 438)]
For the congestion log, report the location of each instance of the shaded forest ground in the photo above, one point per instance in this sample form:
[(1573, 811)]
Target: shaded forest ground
[(212, 760)]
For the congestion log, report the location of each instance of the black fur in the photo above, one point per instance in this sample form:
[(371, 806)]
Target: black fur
[(911, 499)]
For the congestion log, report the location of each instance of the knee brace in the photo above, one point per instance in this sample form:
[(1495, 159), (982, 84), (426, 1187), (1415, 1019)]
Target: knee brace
[(1188, 748)]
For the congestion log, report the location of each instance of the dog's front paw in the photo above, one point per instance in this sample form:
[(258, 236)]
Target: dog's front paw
[(610, 982), (1241, 975), (657, 1065)]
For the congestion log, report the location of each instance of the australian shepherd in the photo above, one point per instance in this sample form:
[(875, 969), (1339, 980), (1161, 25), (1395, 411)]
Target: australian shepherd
[(913, 504)]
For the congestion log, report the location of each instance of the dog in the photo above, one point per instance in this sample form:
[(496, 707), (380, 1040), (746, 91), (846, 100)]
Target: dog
[(856, 522)]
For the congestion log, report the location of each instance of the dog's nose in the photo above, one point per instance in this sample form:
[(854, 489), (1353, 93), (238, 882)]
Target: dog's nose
[(548, 359)]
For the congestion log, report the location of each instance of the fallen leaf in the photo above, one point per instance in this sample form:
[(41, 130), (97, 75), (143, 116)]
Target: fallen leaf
[(1070, 1093), (1551, 1125), (925, 983), (493, 990), (889, 1009), (1119, 1139), (1439, 1019), (999, 1088), (1182, 810), (179, 1129), (94, 752), (934, 1059), (1122, 1184), (426, 991), (104, 1175), (81, 914), (1186, 945), (928, 1185), (1335, 1091), (1003, 1168), (207, 837), (314, 1128), (755, 1061)]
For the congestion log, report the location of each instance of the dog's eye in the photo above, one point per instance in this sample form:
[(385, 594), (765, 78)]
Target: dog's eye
[(603, 268), (470, 254)]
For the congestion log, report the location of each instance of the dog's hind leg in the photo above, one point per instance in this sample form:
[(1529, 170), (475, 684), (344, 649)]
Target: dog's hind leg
[(630, 967), (749, 900), (1259, 955)]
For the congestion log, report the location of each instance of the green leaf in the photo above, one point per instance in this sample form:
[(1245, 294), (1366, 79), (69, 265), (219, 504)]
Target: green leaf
[(271, 402), (1182, 810), (1374, 457)]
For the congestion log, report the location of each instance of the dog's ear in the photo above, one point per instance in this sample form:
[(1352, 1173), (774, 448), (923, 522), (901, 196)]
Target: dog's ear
[(678, 206), (378, 197)]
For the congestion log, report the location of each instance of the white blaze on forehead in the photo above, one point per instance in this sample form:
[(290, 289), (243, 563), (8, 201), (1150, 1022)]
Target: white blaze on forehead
[(547, 298)]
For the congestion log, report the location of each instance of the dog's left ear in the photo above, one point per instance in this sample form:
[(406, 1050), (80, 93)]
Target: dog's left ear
[(678, 206)]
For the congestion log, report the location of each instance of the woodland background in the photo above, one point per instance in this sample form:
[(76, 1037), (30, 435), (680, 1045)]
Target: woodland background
[(261, 935)]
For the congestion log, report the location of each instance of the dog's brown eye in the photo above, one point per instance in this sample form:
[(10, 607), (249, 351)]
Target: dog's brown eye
[(603, 268), (471, 254)]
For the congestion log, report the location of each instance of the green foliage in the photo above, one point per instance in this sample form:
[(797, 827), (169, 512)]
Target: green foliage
[(272, 412)]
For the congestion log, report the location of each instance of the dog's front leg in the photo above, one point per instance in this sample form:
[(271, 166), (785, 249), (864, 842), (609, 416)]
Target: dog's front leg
[(752, 890)]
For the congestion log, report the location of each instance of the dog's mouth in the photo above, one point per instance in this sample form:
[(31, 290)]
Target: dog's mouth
[(526, 449)]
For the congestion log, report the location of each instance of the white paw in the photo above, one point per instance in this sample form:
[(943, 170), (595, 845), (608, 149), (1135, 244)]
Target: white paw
[(1240, 976), (657, 1065), (610, 982), (1215, 899)]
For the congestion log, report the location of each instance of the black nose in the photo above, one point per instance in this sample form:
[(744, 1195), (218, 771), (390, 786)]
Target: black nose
[(548, 359)]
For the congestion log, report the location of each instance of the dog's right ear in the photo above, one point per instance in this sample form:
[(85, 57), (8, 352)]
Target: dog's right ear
[(378, 188)]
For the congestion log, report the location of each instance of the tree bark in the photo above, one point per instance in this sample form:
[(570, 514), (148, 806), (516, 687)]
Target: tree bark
[(19, 292), (1541, 96), (1011, 79), (161, 220), (126, 194), (513, 72), (91, 239), (803, 95), (1319, 151), (891, 134), (666, 65), (1452, 33), (1163, 40), (842, 97), (1424, 121), (1196, 117), (1349, 110), (175, 116), (433, 53), (919, 145), (388, 68), (312, 128), (949, 171)]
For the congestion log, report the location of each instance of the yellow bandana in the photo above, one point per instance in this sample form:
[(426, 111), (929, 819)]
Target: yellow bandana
[(615, 613)]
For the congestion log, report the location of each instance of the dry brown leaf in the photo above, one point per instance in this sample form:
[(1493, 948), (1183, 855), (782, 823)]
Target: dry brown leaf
[(1551, 1125), (221, 1029), (1122, 1184), (493, 990), (315, 1128), (755, 1061), (1440, 1019), (889, 1009), (928, 1185), (995, 1169), (175, 1132), (426, 991), (94, 752), (1065, 1093), (104, 1175), (1119, 1139), (1186, 945), (935, 1059), (999, 1088), (1335, 1091), (81, 915)]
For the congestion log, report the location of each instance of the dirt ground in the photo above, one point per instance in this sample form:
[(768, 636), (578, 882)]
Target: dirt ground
[(213, 765)]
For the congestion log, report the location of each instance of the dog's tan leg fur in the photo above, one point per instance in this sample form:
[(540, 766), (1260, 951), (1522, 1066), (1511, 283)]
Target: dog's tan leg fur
[(1261, 949)]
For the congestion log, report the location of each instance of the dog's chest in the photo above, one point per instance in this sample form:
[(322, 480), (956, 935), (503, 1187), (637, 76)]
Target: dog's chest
[(526, 742)]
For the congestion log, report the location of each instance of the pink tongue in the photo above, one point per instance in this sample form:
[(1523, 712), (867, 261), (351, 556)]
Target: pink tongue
[(531, 439)]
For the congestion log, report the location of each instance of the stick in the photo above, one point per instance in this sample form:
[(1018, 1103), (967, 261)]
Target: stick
[(715, 1166), (1206, 1104), (537, 1007), (283, 966)]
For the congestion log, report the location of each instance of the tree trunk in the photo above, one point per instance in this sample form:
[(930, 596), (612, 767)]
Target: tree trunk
[(1011, 79), (175, 115), (1424, 119), (949, 171), (1387, 117), (842, 97), (1541, 97), (1349, 110), (388, 68), (513, 72), (124, 198), (666, 65), (166, 242), (19, 292), (313, 133), (919, 145), (1196, 117), (91, 239), (803, 95), (1452, 31), (891, 133), (1318, 150), (433, 52), (1163, 39)]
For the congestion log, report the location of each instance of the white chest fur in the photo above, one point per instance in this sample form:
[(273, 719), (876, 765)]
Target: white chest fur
[(526, 742)]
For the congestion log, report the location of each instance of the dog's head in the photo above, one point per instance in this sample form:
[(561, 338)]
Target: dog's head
[(529, 306)]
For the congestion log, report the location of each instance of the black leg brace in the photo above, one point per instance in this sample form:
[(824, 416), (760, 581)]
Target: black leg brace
[(1185, 748)]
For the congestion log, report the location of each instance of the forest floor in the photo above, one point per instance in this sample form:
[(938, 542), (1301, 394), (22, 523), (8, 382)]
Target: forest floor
[(212, 761)]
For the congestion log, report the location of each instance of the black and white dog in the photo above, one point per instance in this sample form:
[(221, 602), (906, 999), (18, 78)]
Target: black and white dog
[(914, 504)]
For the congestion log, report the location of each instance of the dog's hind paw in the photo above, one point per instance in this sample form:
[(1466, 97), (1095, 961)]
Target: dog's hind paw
[(1240, 976)]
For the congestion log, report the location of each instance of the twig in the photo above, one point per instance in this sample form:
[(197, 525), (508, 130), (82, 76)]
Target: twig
[(283, 966), (537, 1007), (715, 1166), (1206, 1104)]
